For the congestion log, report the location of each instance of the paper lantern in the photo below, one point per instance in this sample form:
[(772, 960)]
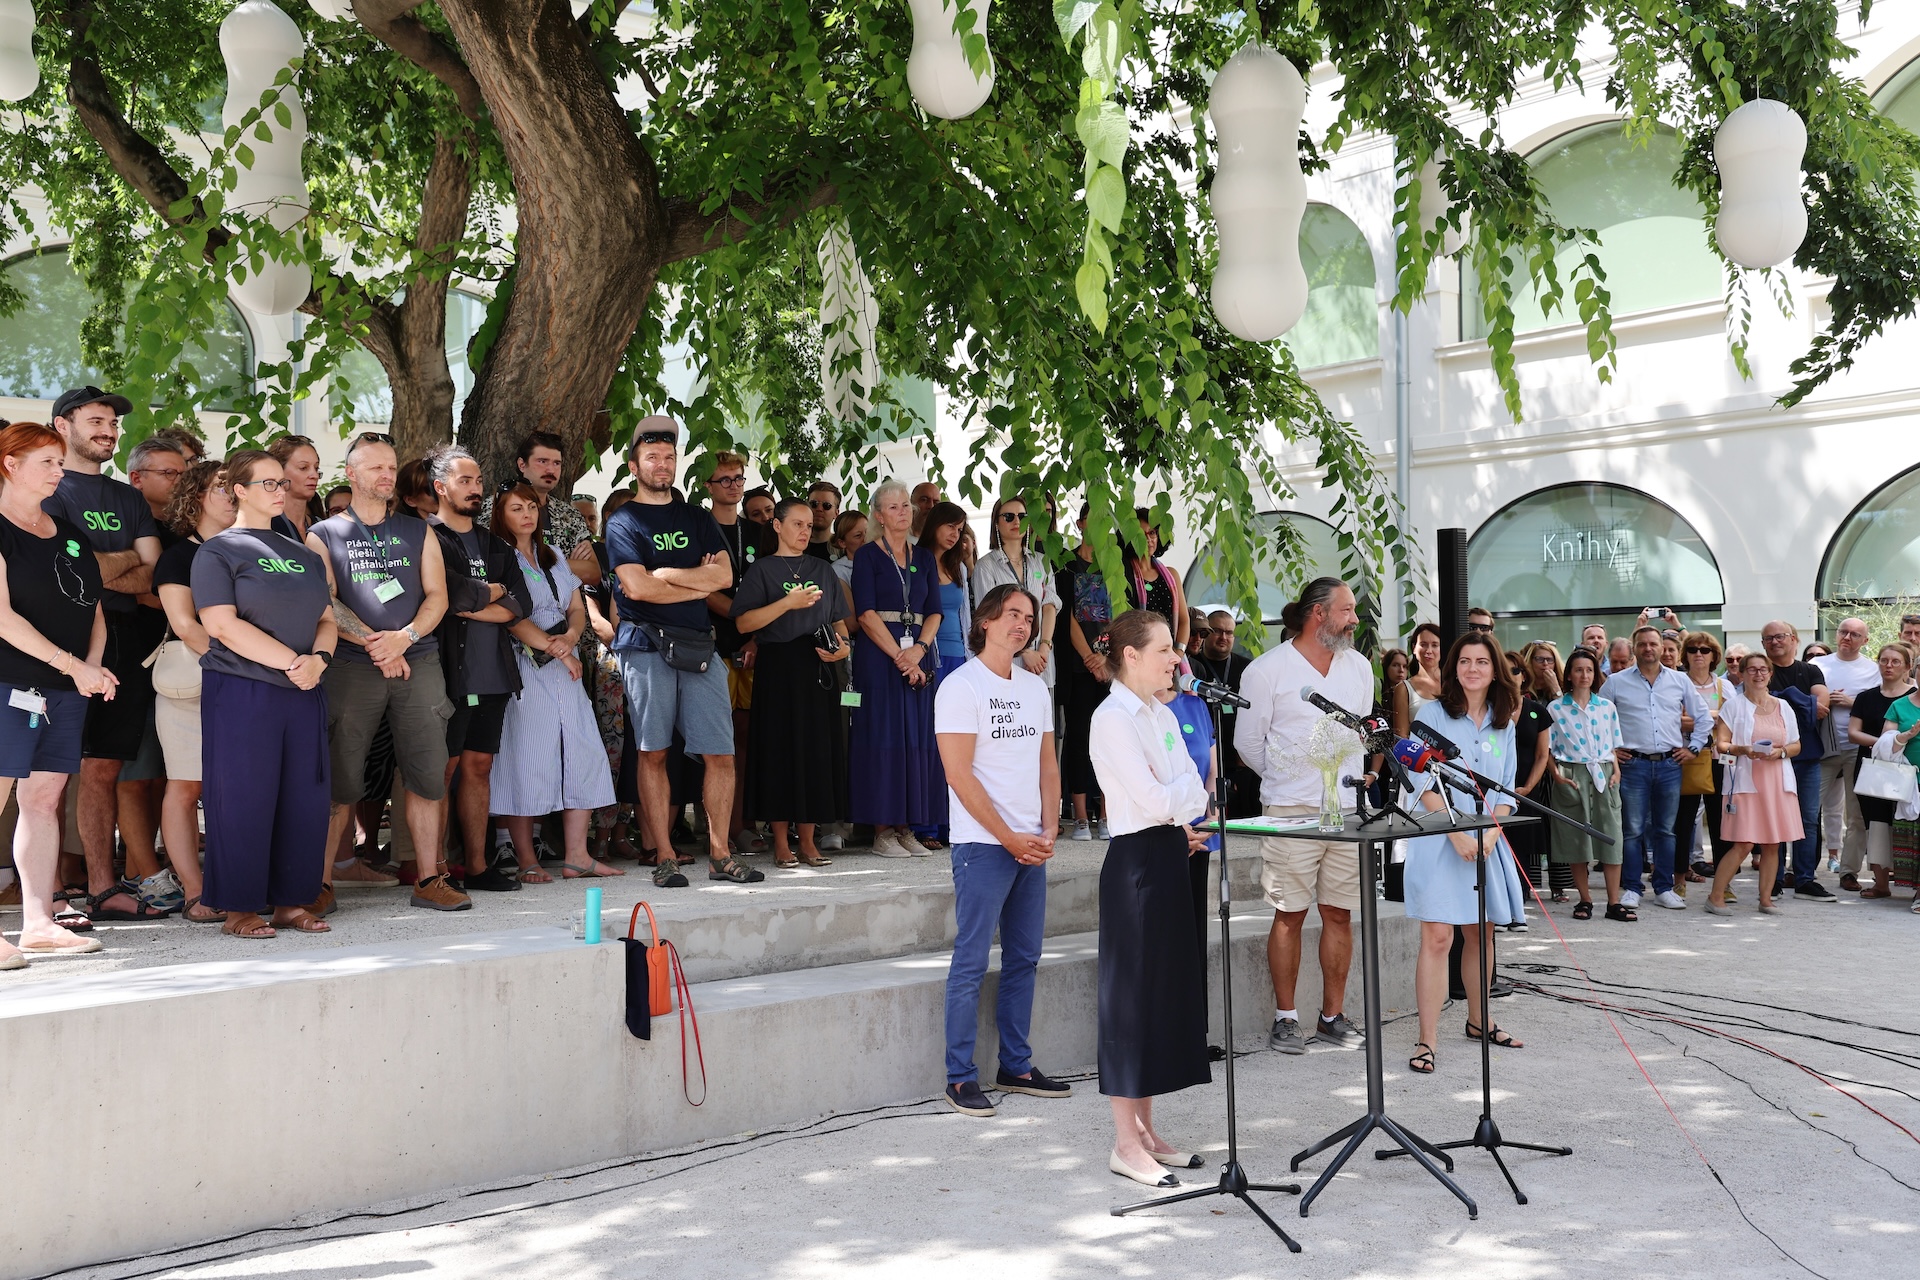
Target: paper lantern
[(937, 70), (333, 10), (1259, 194), (1433, 205), (1758, 150), (19, 73), (848, 318), (258, 41)]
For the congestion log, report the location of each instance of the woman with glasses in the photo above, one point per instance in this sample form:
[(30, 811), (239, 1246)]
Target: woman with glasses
[(268, 615), (1866, 721), (893, 761), (1009, 563), (200, 508), (52, 638), (551, 759), (1759, 734), (1702, 778), (796, 768), (299, 460)]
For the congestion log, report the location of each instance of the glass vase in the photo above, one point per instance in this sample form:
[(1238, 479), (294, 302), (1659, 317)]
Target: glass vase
[(1331, 819)]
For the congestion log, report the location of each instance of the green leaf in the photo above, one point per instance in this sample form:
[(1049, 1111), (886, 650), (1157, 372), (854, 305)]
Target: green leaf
[(1071, 15), (1103, 130), (1107, 198)]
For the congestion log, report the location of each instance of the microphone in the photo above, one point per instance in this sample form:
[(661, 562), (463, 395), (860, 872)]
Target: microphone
[(1210, 691), (1415, 757), (1370, 729), (1437, 740)]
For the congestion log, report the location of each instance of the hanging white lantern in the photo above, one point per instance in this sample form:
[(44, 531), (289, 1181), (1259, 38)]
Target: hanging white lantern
[(19, 73), (1433, 205), (848, 318), (1259, 194), (258, 41), (1758, 149), (333, 10), (938, 73)]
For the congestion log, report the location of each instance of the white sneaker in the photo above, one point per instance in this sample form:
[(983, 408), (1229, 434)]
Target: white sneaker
[(1628, 898), (1081, 831), (1670, 900), (887, 845), (912, 845), (829, 843), (1100, 829)]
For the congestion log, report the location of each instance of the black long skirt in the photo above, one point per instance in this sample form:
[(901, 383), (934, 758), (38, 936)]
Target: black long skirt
[(796, 765), (1153, 1012)]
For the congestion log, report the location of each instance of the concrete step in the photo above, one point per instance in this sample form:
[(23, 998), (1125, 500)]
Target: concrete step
[(370, 1039), (732, 939)]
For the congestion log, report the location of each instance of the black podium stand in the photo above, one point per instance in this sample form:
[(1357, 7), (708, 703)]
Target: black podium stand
[(1369, 836)]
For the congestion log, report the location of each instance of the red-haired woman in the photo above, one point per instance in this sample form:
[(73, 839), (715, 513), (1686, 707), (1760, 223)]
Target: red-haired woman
[(49, 617)]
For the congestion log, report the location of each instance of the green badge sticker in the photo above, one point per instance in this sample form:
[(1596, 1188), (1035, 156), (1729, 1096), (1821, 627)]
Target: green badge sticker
[(1186, 728)]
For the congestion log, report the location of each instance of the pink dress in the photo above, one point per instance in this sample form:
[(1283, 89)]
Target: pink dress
[(1768, 814)]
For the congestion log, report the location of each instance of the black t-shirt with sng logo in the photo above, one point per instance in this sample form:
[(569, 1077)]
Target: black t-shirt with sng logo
[(672, 535), (277, 584), (54, 583), (112, 515), (770, 580)]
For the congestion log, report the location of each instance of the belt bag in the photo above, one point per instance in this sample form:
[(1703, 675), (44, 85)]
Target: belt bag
[(683, 648), (176, 670)]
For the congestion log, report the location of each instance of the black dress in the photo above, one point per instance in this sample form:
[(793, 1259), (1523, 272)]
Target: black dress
[(1153, 1014), (1530, 841)]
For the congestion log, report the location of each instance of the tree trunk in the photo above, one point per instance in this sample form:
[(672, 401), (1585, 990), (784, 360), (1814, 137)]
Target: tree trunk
[(591, 226), (420, 376)]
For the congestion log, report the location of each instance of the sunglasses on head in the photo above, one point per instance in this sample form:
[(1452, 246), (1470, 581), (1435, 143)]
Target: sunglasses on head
[(373, 437)]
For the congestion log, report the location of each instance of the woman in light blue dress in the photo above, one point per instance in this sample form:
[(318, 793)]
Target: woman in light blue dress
[(1476, 710)]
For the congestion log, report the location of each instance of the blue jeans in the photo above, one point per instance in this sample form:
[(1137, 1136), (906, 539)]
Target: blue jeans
[(1649, 801), (990, 888), (1806, 852)]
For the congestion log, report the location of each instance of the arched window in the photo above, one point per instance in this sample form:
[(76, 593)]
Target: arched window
[(40, 352), (371, 401), (1653, 235), (1558, 559), (1342, 319), (1876, 553), (1899, 98), (1320, 557)]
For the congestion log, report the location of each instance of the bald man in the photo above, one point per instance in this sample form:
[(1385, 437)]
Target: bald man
[(924, 495)]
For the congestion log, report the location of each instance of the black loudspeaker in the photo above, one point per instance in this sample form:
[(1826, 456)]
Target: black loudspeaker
[(1453, 586)]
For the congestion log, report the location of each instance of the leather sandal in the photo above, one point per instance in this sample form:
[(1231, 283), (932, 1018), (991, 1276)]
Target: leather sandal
[(1584, 911), (1421, 1062), (1494, 1036)]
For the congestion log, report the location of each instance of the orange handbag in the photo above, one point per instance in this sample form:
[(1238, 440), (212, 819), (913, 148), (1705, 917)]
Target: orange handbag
[(653, 975)]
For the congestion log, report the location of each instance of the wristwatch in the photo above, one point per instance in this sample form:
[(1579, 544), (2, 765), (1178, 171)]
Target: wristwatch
[(410, 633), (325, 656)]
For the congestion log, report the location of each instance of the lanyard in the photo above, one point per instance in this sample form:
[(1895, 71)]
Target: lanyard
[(386, 565), (906, 597)]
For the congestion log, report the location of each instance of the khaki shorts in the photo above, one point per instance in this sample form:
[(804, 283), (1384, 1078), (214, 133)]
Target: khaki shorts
[(1295, 873)]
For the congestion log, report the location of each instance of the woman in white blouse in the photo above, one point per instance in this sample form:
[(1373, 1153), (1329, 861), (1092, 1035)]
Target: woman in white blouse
[(1011, 562), (1153, 1018)]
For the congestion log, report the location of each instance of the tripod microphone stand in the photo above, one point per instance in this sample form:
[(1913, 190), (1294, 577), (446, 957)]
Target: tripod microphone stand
[(1233, 1179), (1486, 1133)]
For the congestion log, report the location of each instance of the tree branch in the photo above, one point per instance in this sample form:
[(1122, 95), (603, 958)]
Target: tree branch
[(691, 233), (392, 23)]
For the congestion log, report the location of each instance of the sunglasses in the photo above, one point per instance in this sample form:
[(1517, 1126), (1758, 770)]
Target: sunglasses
[(1012, 517), (1699, 648), (1480, 626), (373, 437), (820, 504)]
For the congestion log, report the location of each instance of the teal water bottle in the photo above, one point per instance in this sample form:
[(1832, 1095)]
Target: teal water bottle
[(593, 915)]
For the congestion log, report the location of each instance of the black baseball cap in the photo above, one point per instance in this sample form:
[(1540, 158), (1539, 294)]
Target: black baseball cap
[(81, 397)]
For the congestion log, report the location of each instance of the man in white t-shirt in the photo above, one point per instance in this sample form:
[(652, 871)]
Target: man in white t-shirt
[(1271, 738), (1850, 672), (994, 723)]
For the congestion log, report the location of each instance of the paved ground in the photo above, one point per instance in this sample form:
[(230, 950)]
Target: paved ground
[(383, 915), (919, 1192)]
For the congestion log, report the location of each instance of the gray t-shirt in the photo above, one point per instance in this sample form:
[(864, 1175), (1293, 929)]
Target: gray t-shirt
[(771, 578), (488, 662), (364, 557), (273, 582), (111, 513)]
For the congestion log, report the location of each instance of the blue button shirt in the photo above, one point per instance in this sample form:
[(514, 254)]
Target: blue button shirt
[(1650, 713)]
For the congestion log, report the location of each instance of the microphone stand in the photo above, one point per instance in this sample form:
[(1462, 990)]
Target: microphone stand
[(1486, 1133), (1233, 1179)]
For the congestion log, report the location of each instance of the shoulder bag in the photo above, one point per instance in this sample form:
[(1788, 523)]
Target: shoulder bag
[(653, 975), (176, 669), (1886, 780)]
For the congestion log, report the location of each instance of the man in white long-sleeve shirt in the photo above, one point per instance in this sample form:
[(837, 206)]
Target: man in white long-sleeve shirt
[(1271, 738)]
